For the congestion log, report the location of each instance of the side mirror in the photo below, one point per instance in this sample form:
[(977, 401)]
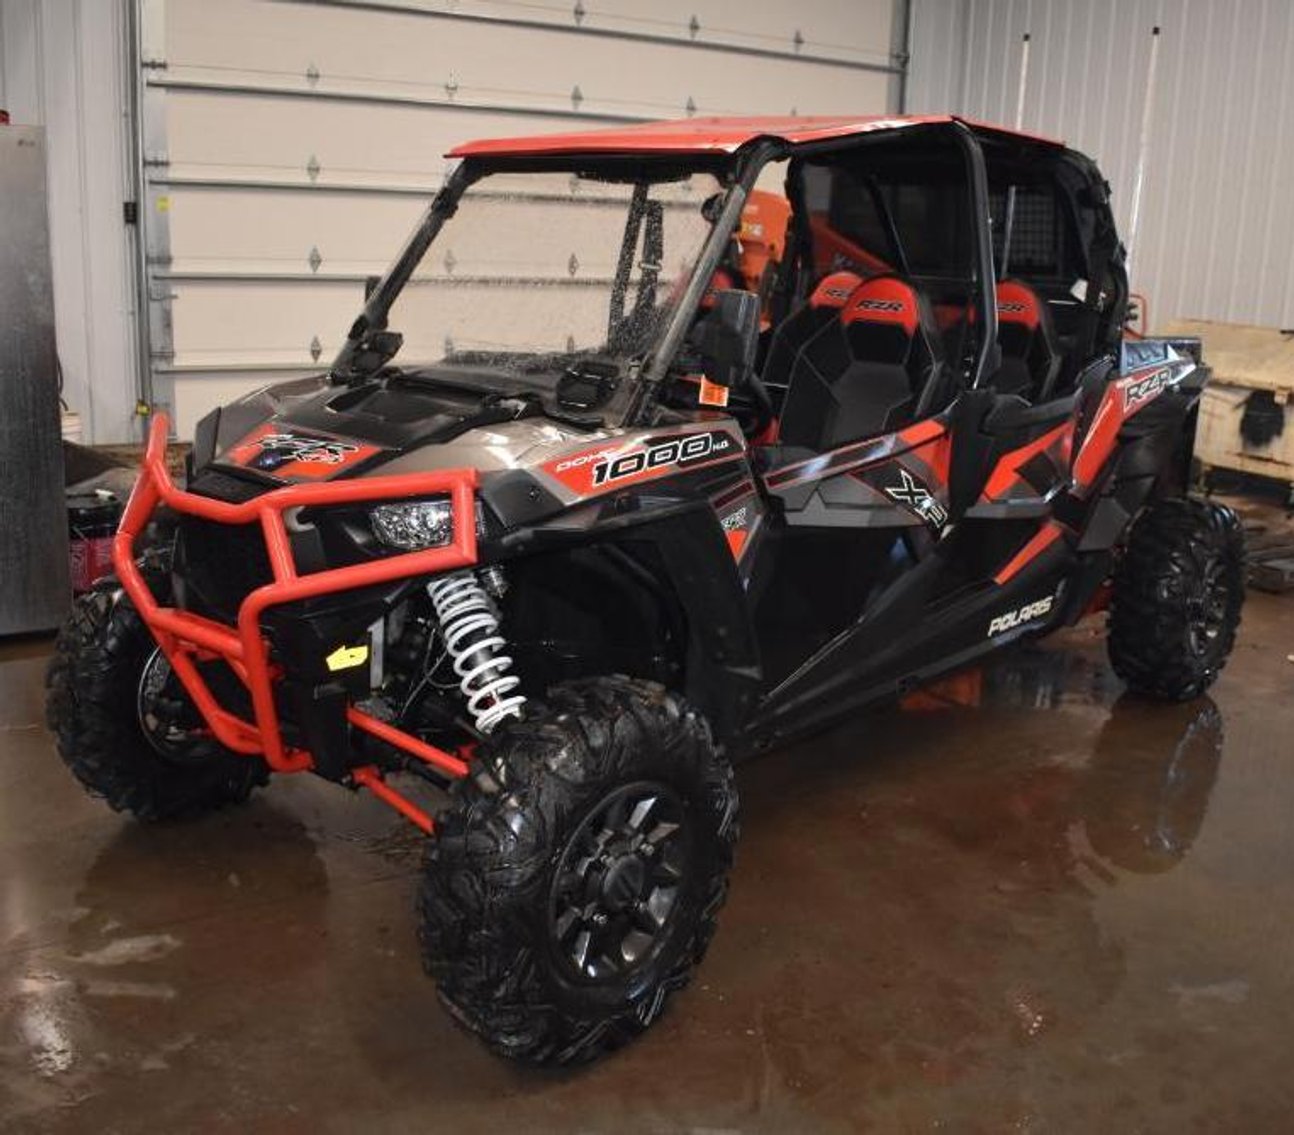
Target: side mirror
[(729, 339)]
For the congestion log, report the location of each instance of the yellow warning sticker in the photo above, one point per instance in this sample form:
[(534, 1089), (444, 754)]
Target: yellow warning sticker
[(347, 657)]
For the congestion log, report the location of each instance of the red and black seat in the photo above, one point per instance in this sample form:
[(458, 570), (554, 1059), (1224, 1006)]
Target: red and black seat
[(866, 365), (1030, 358), (802, 324)]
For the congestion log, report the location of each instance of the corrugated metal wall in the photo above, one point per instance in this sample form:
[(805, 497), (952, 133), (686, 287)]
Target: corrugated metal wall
[(1217, 230)]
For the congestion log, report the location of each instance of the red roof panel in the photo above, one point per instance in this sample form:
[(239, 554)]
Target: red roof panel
[(707, 135)]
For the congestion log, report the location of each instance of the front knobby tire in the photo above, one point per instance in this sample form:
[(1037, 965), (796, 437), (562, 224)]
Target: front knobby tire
[(1178, 593), (103, 725), (578, 874)]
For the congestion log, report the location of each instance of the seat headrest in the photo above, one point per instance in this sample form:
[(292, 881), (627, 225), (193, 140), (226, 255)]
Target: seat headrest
[(884, 299), (1018, 303), (834, 290)]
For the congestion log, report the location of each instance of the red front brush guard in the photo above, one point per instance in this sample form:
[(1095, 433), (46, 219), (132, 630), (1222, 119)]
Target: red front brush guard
[(184, 636)]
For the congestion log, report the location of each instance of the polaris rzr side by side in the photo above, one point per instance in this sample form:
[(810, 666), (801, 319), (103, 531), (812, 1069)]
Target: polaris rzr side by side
[(654, 447)]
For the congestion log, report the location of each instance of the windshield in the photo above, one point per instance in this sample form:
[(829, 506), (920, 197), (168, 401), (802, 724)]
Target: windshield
[(535, 268)]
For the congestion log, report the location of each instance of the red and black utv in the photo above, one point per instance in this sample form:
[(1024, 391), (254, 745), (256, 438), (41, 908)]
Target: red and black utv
[(632, 465)]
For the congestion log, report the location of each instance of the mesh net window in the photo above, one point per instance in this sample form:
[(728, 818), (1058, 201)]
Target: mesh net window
[(1037, 232)]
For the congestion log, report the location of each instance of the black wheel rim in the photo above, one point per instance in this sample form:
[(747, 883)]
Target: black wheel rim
[(168, 719), (1206, 606), (618, 885)]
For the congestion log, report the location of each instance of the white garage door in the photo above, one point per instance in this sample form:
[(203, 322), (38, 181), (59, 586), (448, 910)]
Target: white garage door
[(290, 146)]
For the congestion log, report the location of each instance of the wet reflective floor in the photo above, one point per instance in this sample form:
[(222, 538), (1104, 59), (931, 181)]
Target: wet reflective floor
[(1020, 902)]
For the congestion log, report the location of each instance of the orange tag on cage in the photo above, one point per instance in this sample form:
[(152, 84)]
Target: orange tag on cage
[(711, 393)]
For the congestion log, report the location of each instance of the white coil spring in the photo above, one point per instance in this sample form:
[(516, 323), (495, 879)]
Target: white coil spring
[(469, 626)]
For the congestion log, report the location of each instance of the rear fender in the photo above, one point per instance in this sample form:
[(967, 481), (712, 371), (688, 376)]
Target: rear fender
[(1154, 392), (1153, 460), (1144, 468), (1135, 441)]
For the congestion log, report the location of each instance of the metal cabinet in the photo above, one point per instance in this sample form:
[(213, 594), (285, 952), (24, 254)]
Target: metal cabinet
[(34, 590)]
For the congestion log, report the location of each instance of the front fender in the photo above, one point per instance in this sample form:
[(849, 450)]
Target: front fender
[(722, 674)]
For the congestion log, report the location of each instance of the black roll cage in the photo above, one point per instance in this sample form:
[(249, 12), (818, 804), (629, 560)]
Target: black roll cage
[(739, 171)]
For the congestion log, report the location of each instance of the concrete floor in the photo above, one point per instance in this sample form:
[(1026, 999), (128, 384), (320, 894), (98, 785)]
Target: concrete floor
[(1024, 903)]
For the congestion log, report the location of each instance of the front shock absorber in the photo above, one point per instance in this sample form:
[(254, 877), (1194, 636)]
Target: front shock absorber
[(469, 626)]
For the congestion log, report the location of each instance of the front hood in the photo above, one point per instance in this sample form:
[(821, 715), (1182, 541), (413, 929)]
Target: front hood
[(529, 464), (313, 430)]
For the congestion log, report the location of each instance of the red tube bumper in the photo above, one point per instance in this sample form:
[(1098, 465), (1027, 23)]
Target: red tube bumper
[(185, 637)]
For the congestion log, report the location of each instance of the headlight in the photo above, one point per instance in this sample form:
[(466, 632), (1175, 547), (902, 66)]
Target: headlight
[(410, 525)]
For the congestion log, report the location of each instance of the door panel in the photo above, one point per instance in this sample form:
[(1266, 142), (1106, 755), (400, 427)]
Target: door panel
[(850, 523)]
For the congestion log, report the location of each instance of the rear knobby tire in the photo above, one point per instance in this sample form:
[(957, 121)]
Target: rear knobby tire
[(538, 846), (93, 709), (1178, 592)]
